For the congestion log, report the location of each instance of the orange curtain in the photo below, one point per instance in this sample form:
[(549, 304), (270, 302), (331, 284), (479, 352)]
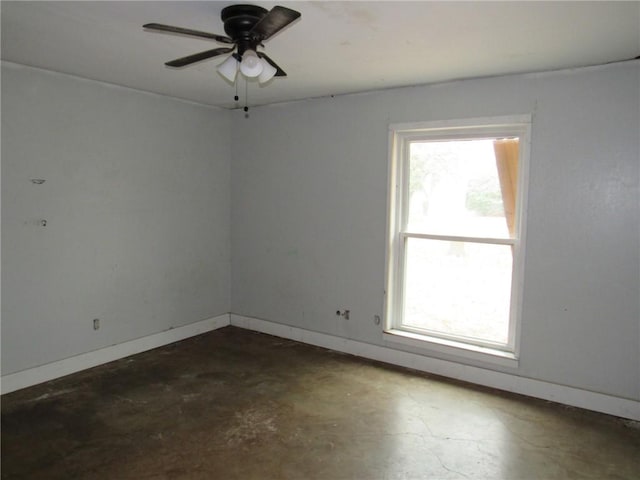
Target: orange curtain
[(507, 154)]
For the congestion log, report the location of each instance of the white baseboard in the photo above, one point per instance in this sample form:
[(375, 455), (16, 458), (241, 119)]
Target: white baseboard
[(620, 407), (50, 371), (575, 397)]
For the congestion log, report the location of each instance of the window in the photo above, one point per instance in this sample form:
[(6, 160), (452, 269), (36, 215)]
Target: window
[(455, 243)]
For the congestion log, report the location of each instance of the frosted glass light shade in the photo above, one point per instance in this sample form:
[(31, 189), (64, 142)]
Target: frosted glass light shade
[(251, 66), (268, 71), (229, 68)]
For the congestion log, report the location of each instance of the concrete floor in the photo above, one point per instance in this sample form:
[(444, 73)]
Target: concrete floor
[(233, 404)]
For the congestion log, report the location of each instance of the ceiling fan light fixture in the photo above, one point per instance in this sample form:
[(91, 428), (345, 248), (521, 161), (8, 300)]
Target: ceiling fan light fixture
[(251, 66), (229, 68), (268, 71), (246, 27)]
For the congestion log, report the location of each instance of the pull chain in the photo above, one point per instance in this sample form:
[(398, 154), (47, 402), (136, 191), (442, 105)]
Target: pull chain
[(246, 96)]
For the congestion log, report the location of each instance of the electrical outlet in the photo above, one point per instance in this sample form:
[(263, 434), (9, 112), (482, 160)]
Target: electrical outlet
[(96, 323)]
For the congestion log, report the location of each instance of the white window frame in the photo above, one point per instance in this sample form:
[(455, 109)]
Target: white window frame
[(400, 137)]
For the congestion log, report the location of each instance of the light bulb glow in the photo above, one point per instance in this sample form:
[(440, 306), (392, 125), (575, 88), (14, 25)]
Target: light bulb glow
[(251, 66)]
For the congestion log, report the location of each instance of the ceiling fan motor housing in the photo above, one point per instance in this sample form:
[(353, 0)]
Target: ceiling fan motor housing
[(238, 21)]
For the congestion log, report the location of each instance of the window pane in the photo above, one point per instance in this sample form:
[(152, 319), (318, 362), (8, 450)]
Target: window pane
[(458, 288), (455, 189)]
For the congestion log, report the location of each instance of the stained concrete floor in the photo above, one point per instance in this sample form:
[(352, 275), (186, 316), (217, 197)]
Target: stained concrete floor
[(234, 404)]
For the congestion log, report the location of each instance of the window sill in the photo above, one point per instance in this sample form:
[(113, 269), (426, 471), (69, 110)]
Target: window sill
[(438, 345)]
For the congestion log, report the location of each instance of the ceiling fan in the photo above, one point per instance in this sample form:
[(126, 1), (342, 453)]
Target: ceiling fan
[(246, 26)]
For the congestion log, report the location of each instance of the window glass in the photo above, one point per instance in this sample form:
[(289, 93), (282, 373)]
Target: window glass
[(454, 189), (458, 288)]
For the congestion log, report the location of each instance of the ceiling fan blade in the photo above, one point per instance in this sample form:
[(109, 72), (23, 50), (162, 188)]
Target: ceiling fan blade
[(196, 57), (279, 71), (185, 31), (273, 22)]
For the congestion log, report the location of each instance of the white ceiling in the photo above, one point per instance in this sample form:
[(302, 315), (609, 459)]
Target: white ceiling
[(334, 48)]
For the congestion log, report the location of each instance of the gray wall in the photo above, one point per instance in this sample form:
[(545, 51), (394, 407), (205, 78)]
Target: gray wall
[(136, 198), (309, 200), (143, 195)]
